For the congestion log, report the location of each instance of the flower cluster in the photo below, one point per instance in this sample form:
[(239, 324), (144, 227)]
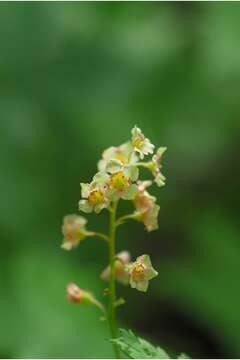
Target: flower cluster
[(118, 177)]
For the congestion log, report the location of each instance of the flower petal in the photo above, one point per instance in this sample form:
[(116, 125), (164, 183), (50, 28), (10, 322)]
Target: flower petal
[(85, 206), (113, 166), (148, 147), (109, 153), (150, 217), (130, 192), (136, 132), (67, 245), (133, 284), (161, 150), (160, 179), (142, 286), (101, 165), (99, 208), (100, 178), (151, 273), (132, 172), (85, 190), (112, 194), (145, 259)]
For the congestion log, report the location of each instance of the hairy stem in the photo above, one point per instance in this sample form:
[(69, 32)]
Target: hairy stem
[(112, 284)]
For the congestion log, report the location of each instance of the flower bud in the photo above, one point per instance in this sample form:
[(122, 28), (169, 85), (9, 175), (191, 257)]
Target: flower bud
[(79, 296)]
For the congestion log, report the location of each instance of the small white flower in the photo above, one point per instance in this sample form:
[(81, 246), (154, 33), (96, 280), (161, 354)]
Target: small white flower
[(123, 153), (120, 184), (94, 194), (121, 271), (155, 166), (143, 200), (74, 230), (147, 209), (141, 144), (160, 179), (150, 217), (140, 272)]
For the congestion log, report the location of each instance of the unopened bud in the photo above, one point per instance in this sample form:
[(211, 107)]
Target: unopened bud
[(77, 295)]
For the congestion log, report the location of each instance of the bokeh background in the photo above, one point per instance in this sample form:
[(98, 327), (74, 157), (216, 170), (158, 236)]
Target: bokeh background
[(75, 78)]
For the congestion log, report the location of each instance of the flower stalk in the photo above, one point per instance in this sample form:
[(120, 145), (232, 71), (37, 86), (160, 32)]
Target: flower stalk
[(118, 177), (112, 283)]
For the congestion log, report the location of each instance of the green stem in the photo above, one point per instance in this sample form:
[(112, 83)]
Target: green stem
[(112, 283), (143, 164), (100, 306), (132, 216), (101, 235)]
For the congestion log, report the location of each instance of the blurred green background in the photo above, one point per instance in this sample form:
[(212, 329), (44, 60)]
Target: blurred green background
[(75, 78)]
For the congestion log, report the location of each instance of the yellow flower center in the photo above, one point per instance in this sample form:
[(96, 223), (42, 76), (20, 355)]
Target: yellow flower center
[(96, 197), (138, 142), (138, 272), (119, 181), (121, 158)]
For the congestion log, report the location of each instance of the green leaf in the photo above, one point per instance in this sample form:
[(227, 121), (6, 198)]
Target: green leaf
[(183, 356), (137, 348)]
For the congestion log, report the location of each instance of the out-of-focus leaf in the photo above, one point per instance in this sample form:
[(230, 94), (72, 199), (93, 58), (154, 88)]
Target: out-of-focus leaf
[(138, 348)]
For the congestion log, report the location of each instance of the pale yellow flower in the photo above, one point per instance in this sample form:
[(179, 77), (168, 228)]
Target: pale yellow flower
[(147, 209), (94, 194), (123, 153), (141, 144), (121, 273), (155, 167), (74, 230), (143, 200), (140, 272), (150, 217), (121, 178)]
